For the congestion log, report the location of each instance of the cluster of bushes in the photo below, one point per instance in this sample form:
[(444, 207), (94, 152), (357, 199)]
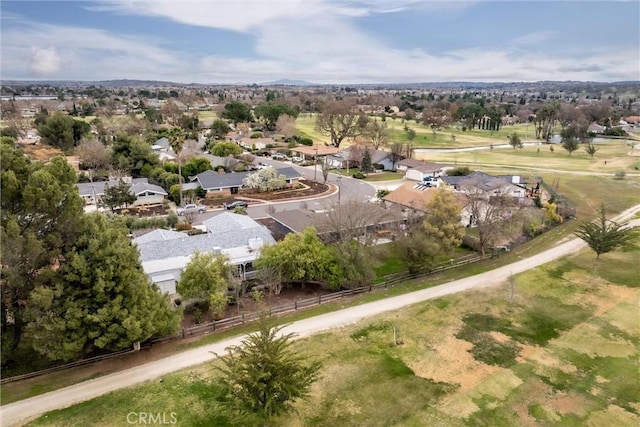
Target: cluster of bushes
[(135, 223)]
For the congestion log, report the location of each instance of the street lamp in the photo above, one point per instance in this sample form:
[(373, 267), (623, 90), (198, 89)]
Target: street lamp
[(315, 166), (339, 181)]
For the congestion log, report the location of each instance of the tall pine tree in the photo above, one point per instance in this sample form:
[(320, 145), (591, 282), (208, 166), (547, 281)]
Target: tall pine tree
[(100, 299)]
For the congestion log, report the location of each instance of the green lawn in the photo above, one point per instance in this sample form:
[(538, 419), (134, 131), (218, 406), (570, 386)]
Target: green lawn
[(615, 154), (452, 137), (383, 176), (560, 347), (207, 116)]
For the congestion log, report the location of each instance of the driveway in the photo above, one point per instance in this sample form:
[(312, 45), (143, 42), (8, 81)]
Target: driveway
[(18, 412)]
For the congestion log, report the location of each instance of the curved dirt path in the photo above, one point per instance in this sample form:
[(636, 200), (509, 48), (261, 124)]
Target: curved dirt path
[(18, 413)]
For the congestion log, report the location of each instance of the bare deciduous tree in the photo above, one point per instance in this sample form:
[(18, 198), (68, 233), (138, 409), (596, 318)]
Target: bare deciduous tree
[(396, 153), (356, 220), (340, 120), (376, 131), (493, 211), (286, 125), (94, 156), (270, 280)]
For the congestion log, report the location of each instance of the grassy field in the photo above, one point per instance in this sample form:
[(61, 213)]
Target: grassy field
[(558, 347), (207, 116), (610, 157), (450, 137)]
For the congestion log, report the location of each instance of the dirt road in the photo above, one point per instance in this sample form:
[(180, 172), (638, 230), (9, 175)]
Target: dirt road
[(18, 413)]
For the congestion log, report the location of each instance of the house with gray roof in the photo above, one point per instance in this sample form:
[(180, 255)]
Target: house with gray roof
[(512, 185), (216, 183), (164, 254), (146, 194)]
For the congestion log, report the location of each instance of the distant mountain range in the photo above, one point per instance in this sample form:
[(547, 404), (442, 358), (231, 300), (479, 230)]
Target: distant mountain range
[(299, 83)]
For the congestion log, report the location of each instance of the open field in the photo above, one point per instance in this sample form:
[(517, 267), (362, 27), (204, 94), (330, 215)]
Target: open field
[(424, 136), (207, 116), (611, 157), (559, 347)]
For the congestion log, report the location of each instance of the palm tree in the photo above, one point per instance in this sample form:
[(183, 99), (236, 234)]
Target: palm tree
[(176, 137)]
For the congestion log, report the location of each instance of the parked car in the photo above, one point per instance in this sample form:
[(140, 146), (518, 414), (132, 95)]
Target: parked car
[(279, 156), (296, 159), (235, 204), (191, 208)]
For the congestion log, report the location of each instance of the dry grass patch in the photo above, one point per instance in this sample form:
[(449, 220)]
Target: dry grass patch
[(613, 416), (569, 403), (586, 339), (626, 316), (545, 359), (450, 360)]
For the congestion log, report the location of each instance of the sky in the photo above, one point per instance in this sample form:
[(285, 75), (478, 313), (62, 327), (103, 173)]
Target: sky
[(320, 41)]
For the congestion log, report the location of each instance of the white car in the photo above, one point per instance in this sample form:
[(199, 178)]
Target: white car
[(297, 159), (191, 208)]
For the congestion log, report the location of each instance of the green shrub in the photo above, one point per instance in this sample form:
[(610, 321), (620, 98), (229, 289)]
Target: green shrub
[(459, 171), (172, 220), (381, 193), (306, 141), (359, 175)]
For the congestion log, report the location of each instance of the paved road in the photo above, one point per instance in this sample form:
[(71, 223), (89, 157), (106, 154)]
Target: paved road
[(17, 413), (347, 190)]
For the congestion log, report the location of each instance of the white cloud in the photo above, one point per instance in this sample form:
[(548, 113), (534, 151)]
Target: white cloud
[(44, 62), (534, 38), (238, 15), (313, 40)]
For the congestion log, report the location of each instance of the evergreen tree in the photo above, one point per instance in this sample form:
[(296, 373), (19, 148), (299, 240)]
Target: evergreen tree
[(603, 235), (40, 214), (99, 299), (264, 376), (117, 196), (570, 144), (590, 149), (366, 166), (514, 141)]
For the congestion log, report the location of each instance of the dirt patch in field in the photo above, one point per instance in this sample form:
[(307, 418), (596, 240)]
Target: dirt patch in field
[(568, 403), (450, 361), (605, 295), (499, 336), (545, 359)]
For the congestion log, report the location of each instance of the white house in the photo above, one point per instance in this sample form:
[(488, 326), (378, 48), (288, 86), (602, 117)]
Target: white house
[(416, 170), (164, 254)]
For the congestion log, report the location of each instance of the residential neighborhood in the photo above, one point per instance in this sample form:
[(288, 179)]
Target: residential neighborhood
[(320, 214)]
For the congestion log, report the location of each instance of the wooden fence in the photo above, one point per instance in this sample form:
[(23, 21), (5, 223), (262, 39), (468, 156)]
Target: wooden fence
[(231, 322), (391, 279)]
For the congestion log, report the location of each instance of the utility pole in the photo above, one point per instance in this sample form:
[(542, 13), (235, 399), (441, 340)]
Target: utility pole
[(315, 166)]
